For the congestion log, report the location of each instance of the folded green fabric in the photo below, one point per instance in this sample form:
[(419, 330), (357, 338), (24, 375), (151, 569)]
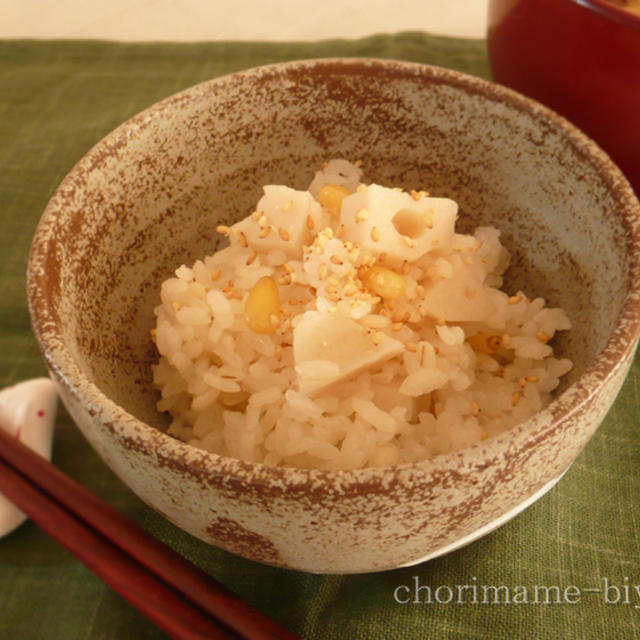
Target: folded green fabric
[(568, 567)]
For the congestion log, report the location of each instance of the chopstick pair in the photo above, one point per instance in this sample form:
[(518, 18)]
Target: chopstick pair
[(174, 594)]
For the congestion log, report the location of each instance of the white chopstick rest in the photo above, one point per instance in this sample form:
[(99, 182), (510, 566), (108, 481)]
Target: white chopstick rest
[(27, 411)]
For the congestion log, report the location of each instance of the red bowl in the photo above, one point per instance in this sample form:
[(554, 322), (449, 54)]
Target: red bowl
[(579, 57)]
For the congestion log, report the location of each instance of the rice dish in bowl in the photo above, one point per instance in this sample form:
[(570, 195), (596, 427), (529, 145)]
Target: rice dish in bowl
[(148, 199), (350, 325)]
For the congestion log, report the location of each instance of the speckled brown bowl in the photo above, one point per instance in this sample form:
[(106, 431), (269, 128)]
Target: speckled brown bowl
[(149, 196)]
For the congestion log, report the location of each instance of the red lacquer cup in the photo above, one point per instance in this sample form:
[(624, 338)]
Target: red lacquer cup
[(579, 57)]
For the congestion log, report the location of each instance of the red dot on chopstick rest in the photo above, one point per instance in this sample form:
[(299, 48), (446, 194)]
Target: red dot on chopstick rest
[(40, 414)]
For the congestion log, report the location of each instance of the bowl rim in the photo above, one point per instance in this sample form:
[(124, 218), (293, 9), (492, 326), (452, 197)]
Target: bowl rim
[(612, 12), (200, 464)]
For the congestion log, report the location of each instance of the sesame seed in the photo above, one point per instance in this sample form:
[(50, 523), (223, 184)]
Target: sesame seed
[(428, 221), (288, 267), (542, 336), (362, 215), (284, 234), (405, 267), (215, 275), (262, 221), (376, 338), (310, 223), (243, 240), (522, 382), (223, 229), (411, 346), (397, 326), (153, 333), (336, 260), (408, 241), (176, 305), (506, 339), (484, 435), (515, 398), (375, 234), (532, 379), (265, 232), (515, 299), (340, 232), (287, 206), (475, 409), (415, 195), (251, 259)]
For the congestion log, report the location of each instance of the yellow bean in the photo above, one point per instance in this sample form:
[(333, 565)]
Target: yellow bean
[(331, 197), (262, 309), (384, 282), (485, 342)]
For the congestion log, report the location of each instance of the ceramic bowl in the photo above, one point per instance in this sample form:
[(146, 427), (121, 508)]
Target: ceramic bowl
[(579, 57), (148, 197)]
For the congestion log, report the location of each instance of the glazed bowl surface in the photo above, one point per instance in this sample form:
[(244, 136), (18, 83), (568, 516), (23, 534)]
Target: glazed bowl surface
[(148, 198), (579, 57)]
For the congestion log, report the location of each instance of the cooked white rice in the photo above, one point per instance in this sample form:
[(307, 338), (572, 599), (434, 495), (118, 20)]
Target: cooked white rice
[(387, 339)]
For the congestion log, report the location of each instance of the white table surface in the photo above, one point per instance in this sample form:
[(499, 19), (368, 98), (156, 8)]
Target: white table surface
[(271, 20)]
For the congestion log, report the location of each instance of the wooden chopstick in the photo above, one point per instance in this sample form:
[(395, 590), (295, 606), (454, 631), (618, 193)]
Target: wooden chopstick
[(173, 593)]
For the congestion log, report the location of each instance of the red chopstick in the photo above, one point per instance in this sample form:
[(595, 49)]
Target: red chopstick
[(176, 595)]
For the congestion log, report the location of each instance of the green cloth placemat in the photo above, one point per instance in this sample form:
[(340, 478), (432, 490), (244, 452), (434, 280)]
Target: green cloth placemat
[(568, 567)]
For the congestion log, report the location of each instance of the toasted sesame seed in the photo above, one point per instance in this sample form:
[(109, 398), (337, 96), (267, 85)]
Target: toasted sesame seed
[(336, 260), (408, 241), (284, 234), (506, 339), (428, 221), (397, 326), (376, 337), (252, 258), (328, 231), (515, 299), (340, 232), (415, 195), (411, 346), (215, 275), (265, 232), (532, 379), (475, 409), (262, 221), (287, 206), (176, 305), (375, 234), (522, 382), (153, 333), (362, 215), (468, 260), (484, 435), (323, 271), (405, 267), (542, 336), (288, 267), (310, 223), (223, 229), (274, 319), (243, 240), (515, 398)]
